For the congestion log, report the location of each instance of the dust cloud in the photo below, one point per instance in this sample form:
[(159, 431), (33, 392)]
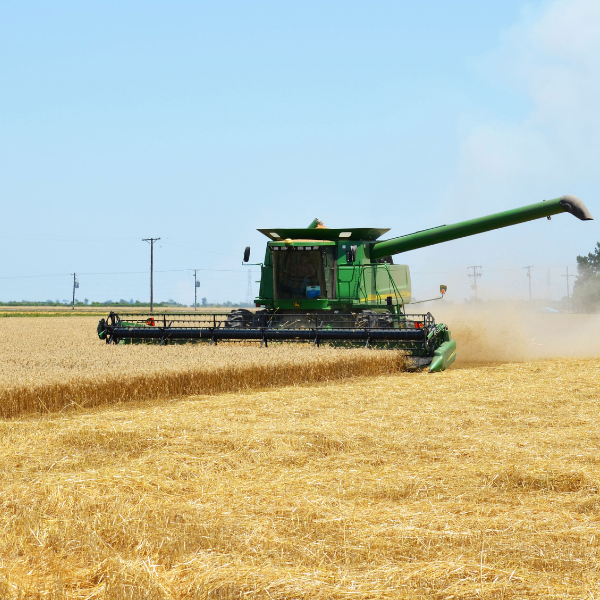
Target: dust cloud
[(516, 333)]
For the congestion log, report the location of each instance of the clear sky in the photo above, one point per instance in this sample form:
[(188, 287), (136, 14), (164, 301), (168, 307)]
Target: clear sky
[(199, 122)]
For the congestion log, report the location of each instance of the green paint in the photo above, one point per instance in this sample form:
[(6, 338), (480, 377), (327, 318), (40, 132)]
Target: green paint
[(363, 282), (348, 270), (443, 356), (445, 233)]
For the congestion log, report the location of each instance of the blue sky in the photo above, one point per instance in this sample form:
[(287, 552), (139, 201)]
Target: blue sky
[(200, 122)]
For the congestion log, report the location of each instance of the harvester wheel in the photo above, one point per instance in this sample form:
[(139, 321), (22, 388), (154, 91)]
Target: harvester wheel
[(239, 318), (260, 319), (366, 319), (101, 329), (372, 320), (385, 320)]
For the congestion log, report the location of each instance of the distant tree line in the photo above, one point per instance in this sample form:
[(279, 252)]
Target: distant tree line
[(86, 302), (121, 302), (586, 291)]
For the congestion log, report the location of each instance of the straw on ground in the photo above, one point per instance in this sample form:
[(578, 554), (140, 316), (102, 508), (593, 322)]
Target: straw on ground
[(475, 483)]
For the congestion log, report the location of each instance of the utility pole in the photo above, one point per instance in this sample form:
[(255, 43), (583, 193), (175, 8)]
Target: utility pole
[(475, 275), (75, 286), (529, 267), (151, 242), (196, 286), (568, 293)]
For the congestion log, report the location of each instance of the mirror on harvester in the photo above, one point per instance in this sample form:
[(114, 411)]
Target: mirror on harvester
[(247, 254), (443, 289)]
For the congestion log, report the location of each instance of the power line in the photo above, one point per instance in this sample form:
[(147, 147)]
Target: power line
[(67, 239), (121, 273), (38, 276), (197, 248), (488, 270)]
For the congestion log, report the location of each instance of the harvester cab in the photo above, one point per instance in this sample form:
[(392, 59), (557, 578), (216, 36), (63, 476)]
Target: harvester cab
[(334, 286), (320, 269)]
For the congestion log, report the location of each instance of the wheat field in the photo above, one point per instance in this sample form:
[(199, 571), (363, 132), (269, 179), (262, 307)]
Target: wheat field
[(53, 364), (479, 482), (58, 363)]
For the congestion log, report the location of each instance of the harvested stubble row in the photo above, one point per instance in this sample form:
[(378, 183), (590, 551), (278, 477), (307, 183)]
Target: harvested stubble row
[(479, 482), (48, 365)]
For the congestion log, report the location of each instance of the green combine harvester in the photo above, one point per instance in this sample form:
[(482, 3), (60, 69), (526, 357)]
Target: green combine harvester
[(333, 286)]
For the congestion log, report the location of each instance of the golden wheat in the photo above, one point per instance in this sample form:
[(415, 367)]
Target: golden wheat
[(48, 365), (479, 482)]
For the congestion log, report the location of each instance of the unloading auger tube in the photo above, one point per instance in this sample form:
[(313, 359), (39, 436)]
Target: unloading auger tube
[(333, 286), (445, 233)]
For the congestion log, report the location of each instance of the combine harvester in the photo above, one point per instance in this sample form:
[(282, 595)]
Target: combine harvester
[(336, 287)]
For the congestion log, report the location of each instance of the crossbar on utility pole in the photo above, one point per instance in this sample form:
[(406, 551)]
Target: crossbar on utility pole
[(475, 275), (151, 242), (568, 293), (529, 267)]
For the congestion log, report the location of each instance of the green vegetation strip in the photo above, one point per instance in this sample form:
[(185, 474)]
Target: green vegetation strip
[(49, 314)]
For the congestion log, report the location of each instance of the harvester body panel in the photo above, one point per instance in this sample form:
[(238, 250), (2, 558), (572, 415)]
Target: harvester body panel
[(323, 233), (446, 233), (371, 284), (319, 274)]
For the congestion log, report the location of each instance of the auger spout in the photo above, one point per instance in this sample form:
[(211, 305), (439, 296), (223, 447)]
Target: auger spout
[(445, 233)]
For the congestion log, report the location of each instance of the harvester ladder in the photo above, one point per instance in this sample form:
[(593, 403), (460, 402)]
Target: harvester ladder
[(397, 292)]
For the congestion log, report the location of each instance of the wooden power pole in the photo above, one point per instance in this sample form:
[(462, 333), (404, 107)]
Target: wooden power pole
[(151, 242)]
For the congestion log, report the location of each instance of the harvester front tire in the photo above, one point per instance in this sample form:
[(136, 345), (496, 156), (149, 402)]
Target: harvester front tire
[(372, 320), (239, 318)]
